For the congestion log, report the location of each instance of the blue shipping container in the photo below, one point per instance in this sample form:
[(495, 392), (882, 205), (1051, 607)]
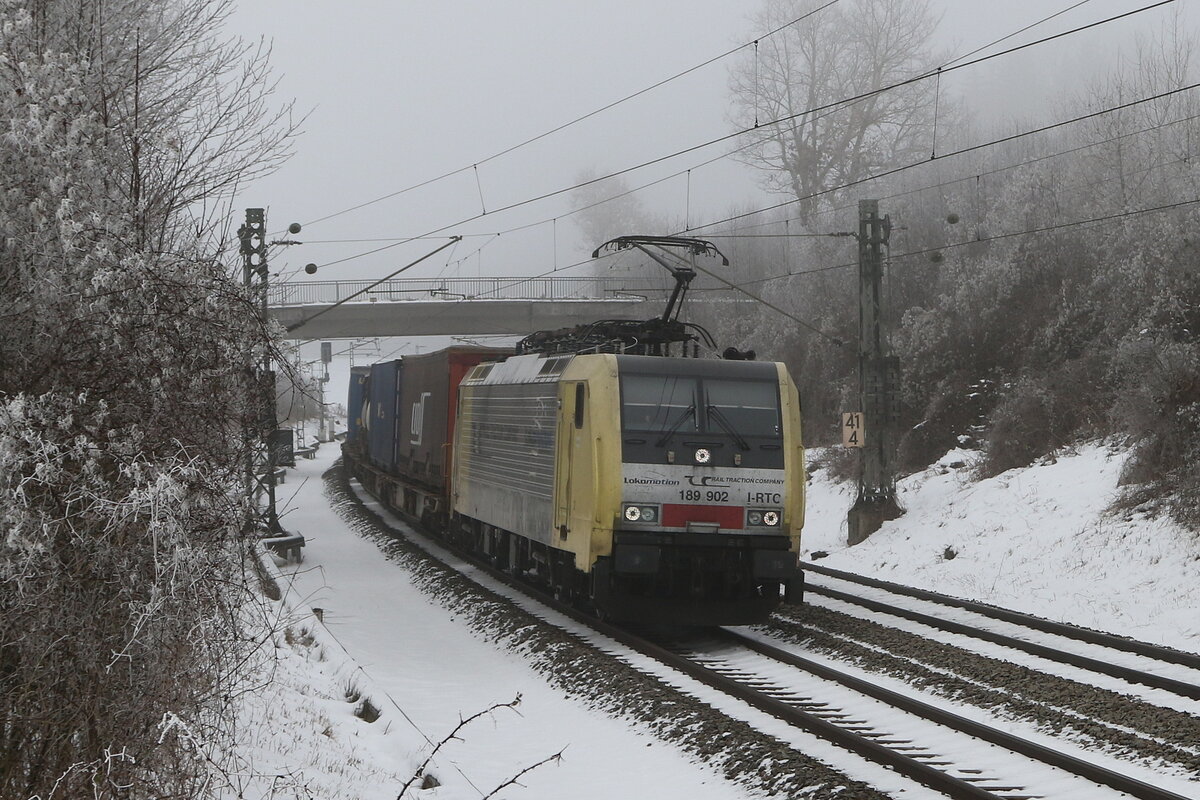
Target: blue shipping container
[(384, 406)]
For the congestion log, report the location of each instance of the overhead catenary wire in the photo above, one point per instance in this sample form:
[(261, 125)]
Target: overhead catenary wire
[(825, 107), (954, 153), (950, 65), (727, 53), (301, 323), (1026, 232), (1018, 32), (821, 212), (1057, 226), (849, 265), (873, 177), (985, 239), (741, 287), (808, 326), (571, 123), (859, 97), (973, 176)]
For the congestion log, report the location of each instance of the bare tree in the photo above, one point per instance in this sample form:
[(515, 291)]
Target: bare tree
[(606, 208), (804, 76), (1148, 146)]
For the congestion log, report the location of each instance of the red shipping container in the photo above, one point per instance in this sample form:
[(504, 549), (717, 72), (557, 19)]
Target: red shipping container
[(428, 404)]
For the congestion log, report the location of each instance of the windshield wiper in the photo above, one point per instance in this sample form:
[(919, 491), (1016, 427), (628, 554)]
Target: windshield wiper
[(690, 412), (719, 416)]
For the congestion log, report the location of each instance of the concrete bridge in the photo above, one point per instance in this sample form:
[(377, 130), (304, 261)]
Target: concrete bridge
[(459, 306)]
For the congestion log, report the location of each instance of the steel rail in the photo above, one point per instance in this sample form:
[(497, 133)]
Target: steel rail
[(1011, 742), (1178, 687), (883, 755), (924, 774), (1113, 641)]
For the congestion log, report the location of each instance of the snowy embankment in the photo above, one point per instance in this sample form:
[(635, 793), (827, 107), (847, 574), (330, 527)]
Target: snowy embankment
[(423, 669), (1035, 539)]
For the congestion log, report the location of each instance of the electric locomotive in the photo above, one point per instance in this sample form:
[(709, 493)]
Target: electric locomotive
[(650, 488)]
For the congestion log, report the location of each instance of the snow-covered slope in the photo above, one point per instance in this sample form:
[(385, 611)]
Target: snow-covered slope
[(1036, 539)]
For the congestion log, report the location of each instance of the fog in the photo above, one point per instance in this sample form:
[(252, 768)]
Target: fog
[(399, 93)]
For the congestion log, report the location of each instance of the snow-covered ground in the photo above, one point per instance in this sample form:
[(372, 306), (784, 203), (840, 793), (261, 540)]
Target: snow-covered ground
[(424, 672), (1034, 539)]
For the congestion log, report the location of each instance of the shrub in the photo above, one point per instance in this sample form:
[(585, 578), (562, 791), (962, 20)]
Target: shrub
[(955, 417), (1159, 410), (1024, 426)]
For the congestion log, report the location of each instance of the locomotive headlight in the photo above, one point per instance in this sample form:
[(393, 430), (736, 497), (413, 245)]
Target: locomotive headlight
[(640, 513), (703, 455), (762, 518)]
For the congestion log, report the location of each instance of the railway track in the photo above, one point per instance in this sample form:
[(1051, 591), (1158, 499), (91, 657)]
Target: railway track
[(925, 742), (1127, 660), (904, 736), (957, 756)]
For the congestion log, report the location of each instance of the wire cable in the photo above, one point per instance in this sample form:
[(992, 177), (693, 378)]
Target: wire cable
[(741, 288), (975, 176), (985, 239), (847, 185), (959, 152), (686, 171), (787, 118), (499, 154)]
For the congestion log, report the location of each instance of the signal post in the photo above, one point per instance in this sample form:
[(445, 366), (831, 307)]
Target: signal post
[(873, 429), (264, 438)]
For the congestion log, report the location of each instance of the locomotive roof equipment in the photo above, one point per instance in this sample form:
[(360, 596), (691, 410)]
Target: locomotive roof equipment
[(648, 337)]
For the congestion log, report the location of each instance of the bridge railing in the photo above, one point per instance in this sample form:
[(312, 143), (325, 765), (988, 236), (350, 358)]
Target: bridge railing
[(400, 289)]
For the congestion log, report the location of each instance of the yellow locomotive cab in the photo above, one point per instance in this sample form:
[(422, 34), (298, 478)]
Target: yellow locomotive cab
[(648, 486)]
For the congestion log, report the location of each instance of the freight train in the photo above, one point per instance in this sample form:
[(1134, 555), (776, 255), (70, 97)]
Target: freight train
[(643, 487), (646, 488)]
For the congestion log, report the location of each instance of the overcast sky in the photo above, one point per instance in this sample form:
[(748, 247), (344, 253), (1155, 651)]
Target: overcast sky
[(401, 92)]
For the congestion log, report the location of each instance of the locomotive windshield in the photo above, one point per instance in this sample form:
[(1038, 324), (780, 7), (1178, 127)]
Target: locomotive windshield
[(665, 404), (658, 403), (750, 407)]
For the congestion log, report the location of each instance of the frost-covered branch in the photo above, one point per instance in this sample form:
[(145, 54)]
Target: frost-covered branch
[(452, 737)]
